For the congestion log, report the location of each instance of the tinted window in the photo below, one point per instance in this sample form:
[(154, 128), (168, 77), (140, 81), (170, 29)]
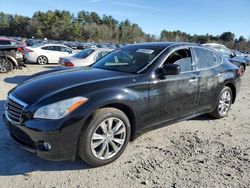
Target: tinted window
[(4, 42), (181, 57), (14, 43), (204, 58), (52, 48), (217, 58), (84, 53), (100, 55), (64, 49), (129, 59)]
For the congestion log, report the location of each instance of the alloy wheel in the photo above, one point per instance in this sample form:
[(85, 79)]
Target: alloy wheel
[(5, 65), (224, 103), (42, 60), (108, 138)]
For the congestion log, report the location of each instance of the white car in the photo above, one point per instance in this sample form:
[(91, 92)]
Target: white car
[(84, 58), (47, 53)]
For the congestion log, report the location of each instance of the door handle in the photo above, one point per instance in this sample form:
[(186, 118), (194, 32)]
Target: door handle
[(220, 74), (192, 80)]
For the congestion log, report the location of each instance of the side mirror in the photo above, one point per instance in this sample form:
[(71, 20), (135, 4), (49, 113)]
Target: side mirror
[(169, 69), (232, 55)]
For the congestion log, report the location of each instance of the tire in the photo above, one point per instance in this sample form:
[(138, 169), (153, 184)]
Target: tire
[(242, 69), (5, 65), (100, 150), (224, 103), (42, 60)]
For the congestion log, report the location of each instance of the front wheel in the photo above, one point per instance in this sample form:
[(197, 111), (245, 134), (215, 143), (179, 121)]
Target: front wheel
[(105, 137), (223, 104)]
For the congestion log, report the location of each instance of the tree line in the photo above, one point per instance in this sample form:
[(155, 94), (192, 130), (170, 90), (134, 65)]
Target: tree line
[(89, 26)]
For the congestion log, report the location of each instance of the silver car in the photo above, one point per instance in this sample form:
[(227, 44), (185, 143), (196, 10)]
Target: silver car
[(84, 58)]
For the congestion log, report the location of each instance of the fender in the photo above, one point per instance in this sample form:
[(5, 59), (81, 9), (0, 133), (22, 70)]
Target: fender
[(12, 59)]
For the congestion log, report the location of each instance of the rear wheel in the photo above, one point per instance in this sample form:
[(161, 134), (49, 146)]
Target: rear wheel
[(5, 65), (223, 104), (105, 137), (42, 60)]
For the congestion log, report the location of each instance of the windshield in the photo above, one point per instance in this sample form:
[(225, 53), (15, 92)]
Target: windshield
[(129, 59), (84, 53)]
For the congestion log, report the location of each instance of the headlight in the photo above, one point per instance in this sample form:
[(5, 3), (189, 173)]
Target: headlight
[(59, 109)]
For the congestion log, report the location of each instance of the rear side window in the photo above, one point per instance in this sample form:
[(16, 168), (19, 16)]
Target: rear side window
[(5, 42), (217, 58), (204, 58), (84, 53), (181, 57), (100, 55), (52, 48), (64, 49)]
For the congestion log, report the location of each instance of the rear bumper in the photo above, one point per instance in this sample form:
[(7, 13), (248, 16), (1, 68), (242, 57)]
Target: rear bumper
[(62, 143)]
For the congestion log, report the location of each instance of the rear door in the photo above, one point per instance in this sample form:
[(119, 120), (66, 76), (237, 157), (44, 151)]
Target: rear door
[(175, 96), (210, 74)]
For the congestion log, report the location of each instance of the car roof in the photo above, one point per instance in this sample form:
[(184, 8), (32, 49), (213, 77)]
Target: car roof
[(213, 44), (55, 45), (165, 44), (102, 49), (2, 38)]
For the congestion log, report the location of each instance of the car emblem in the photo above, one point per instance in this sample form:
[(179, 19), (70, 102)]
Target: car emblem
[(6, 106)]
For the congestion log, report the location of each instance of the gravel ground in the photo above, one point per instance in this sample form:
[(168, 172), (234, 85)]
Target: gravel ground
[(201, 152)]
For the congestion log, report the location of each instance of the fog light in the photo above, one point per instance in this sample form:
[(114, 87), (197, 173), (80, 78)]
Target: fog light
[(44, 146), (47, 146)]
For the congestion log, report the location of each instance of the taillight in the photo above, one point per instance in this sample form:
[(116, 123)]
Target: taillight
[(20, 49), (240, 72), (68, 64), (28, 50)]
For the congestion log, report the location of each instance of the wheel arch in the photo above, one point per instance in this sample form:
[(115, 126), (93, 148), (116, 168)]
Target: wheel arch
[(126, 110), (12, 60), (233, 89)]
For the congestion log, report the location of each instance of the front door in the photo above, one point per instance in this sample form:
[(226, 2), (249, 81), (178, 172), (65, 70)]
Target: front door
[(175, 96)]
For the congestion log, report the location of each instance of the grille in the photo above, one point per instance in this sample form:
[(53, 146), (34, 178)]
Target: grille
[(14, 109)]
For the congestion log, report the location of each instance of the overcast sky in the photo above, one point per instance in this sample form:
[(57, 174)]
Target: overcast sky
[(191, 16)]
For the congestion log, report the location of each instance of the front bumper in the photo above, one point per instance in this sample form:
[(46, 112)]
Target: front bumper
[(31, 137)]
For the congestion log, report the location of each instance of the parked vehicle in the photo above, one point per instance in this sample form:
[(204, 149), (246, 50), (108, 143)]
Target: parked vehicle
[(10, 58), (243, 56), (227, 53), (95, 111), (12, 42), (47, 53), (84, 58)]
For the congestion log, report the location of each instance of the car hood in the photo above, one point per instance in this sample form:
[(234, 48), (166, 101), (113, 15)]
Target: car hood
[(48, 84)]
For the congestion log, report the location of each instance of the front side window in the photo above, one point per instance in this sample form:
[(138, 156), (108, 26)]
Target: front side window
[(204, 58), (181, 57), (129, 59)]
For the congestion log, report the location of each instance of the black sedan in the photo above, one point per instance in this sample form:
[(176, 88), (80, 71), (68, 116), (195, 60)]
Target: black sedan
[(94, 112)]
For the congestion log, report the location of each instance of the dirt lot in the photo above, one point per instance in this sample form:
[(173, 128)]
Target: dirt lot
[(201, 152)]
